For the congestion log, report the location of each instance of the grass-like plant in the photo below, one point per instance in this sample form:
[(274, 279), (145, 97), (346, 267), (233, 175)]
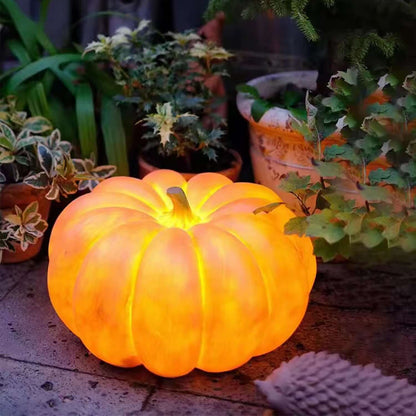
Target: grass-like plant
[(62, 86)]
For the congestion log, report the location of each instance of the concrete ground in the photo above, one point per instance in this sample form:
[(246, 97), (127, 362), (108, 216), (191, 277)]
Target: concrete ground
[(366, 315)]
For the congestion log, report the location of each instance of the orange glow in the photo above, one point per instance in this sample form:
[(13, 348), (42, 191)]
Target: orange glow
[(178, 275)]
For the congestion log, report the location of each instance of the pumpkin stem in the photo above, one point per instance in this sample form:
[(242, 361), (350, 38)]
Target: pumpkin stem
[(181, 208)]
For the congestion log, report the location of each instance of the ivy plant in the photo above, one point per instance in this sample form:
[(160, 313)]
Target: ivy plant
[(372, 122)]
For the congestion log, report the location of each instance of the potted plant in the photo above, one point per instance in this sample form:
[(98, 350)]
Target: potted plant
[(362, 191), (64, 87), (366, 34), (168, 78), (35, 168)]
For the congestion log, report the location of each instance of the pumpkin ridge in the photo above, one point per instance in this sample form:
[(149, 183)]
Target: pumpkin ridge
[(269, 301), (211, 216), (291, 239), (53, 247), (96, 241), (203, 287), (238, 241), (147, 188), (132, 296), (227, 194)]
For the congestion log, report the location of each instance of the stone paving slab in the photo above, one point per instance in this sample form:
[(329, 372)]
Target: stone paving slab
[(160, 404), (366, 315), (11, 274), (30, 389), (33, 332)]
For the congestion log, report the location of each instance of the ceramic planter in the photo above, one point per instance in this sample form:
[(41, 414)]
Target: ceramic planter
[(275, 148), (232, 172), (22, 195)]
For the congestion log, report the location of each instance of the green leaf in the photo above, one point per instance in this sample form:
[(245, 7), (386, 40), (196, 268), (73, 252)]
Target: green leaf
[(19, 51), (324, 250), (344, 152), (248, 89), (298, 113), (37, 101), (372, 238), (259, 108), (334, 103), (38, 181), (37, 125), (390, 176), (23, 25), (45, 159), (329, 169), (114, 136), (38, 66), (293, 182), (5, 143), (353, 222), (408, 242), (297, 226), (291, 98), (319, 225), (87, 134), (374, 193)]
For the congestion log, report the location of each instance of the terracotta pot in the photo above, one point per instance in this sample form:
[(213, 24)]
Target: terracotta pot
[(275, 148), (22, 195), (232, 172)]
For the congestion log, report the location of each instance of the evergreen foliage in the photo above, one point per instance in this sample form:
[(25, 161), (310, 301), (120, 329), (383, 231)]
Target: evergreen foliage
[(356, 26)]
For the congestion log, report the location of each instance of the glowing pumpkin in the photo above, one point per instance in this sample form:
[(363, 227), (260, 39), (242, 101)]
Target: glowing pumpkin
[(146, 275)]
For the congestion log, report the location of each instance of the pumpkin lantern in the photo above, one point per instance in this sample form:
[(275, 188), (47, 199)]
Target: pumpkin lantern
[(179, 275)]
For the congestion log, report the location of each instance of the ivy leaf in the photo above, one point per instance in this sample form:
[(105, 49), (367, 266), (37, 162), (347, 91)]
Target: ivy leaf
[(408, 242), (345, 152), (292, 182), (297, 226), (372, 126), (372, 238), (390, 176), (303, 129), (337, 202), (329, 169), (324, 250), (320, 225), (409, 168), (334, 103), (353, 222), (374, 193)]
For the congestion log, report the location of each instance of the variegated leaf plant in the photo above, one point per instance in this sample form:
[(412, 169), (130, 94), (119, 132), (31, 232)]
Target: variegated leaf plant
[(89, 175), (23, 227)]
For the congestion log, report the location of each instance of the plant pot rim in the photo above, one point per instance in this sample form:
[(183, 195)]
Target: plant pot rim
[(267, 85), (235, 166)]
